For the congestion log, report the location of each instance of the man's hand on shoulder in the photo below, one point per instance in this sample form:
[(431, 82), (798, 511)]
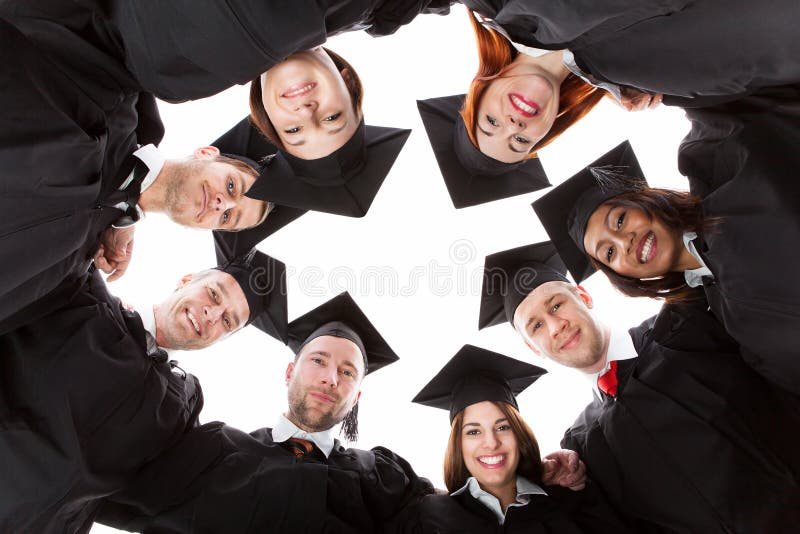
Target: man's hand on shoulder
[(564, 468), (115, 251)]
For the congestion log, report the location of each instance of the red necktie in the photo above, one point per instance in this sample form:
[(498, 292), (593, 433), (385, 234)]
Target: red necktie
[(608, 380)]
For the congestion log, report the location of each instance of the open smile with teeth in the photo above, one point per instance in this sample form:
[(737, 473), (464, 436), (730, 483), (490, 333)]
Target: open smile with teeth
[(299, 91), (193, 321), (528, 109), (644, 255), (492, 461)]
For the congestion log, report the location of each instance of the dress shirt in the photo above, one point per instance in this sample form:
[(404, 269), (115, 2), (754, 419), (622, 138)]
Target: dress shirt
[(154, 160), (694, 277), (525, 488), (620, 347), (285, 429)]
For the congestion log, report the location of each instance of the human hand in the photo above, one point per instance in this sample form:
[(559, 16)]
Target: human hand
[(564, 468), (635, 100), (115, 251)]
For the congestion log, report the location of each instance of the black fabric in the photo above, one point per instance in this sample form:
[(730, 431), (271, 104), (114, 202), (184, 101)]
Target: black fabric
[(510, 276), (694, 440), (262, 279), (561, 511), (342, 183), (475, 375), (742, 159), (341, 317), (471, 177), (82, 408), (66, 136), (564, 212), (219, 479), (689, 49)]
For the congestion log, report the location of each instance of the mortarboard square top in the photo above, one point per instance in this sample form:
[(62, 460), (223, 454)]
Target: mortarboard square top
[(341, 317), (565, 211), (509, 276), (342, 183), (263, 281), (472, 177), (475, 375)]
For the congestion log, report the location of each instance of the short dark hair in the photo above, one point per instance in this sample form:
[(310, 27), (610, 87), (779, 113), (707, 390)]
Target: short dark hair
[(530, 459), (258, 114), (678, 210)]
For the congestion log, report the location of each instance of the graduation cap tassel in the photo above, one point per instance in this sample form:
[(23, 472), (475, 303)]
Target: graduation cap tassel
[(350, 425), (616, 178)]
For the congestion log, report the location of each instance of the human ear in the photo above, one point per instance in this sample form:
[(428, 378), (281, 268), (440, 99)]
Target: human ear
[(585, 297), (185, 280), (358, 396), (289, 369), (206, 152)]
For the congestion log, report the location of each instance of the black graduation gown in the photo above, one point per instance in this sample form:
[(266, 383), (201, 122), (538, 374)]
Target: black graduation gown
[(684, 48), (742, 159), (71, 117), (181, 50), (219, 479), (562, 511), (694, 441), (82, 408)]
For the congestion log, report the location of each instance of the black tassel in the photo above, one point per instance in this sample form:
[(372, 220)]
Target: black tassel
[(350, 425)]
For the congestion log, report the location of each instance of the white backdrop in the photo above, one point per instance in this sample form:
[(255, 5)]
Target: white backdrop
[(413, 263)]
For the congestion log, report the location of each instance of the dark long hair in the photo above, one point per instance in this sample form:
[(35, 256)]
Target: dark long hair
[(258, 113), (495, 54), (678, 210), (530, 459)]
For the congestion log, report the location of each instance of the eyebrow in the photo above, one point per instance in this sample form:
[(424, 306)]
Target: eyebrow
[(232, 311), (602, 241), (546, 305), (478, 424)]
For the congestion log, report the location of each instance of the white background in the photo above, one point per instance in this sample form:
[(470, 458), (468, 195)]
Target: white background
[(412, 232)]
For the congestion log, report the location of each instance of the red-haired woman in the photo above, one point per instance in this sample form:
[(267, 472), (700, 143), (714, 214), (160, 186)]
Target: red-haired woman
[(732, 239), (692, 53), (493, 470)]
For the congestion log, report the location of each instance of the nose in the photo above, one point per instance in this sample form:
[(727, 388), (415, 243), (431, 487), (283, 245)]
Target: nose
[(330, 377), (556, 325), (490, 440), (221, 202), (213, 312), (306, 108), (516, 122)]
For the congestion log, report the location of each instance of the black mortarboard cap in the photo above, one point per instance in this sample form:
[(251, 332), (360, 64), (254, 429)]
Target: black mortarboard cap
[(245, 143), (565, 211), (510, 276), (341, 317), (343, 183), (263, 281), (472, 177), (475, 375)]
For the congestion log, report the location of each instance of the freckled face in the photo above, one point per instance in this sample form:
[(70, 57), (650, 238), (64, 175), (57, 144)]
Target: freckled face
[(324, 382), (516, 112), (489, 447), (631, 243), (309, 104), (557, 324)]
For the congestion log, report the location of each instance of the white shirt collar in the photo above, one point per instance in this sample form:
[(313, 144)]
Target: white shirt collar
[(620, 347), (694, 277), (154, 160), (285, 429), (525, 488), (148, 317)]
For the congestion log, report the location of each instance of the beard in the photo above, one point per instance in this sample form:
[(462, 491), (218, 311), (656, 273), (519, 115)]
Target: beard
[(313, 419), (178, 205)]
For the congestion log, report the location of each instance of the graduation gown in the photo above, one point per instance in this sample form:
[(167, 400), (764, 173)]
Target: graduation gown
[(82, 408), (219, 479), (694, 440), (72, 116), (562, 511), (180, 50), (742, 159), (682, 48)]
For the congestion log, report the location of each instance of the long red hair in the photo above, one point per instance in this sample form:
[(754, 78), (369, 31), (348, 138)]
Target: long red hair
[(495, 54)]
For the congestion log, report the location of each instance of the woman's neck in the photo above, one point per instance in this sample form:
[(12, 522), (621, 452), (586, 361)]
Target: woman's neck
[(551, 62), (507, 495), (686, 261)]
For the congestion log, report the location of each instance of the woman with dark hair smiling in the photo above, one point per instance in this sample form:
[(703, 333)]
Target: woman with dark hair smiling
[(493, 469), (736, 245)]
